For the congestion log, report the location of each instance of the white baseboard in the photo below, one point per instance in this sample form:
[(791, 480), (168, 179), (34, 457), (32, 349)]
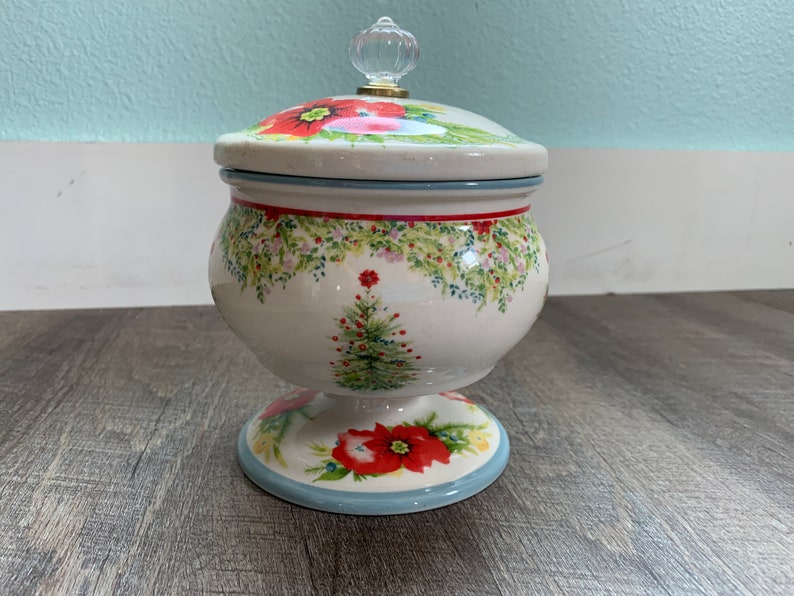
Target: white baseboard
[(116, 224)]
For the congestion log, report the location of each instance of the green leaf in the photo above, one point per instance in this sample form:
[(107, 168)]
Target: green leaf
[(339, 473)]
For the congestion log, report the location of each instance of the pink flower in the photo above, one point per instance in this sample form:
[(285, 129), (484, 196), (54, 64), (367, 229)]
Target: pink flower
[(366, 125), (389, 256), (455, 396), (291, 401), (274, 245)]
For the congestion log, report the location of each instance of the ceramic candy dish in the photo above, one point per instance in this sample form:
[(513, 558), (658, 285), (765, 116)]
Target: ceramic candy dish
[(379, 253)]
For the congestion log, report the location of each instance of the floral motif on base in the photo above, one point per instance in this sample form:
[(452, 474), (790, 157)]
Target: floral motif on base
[(482, 261), (274, 423), (414, 446), (374, 353), (359, 120)]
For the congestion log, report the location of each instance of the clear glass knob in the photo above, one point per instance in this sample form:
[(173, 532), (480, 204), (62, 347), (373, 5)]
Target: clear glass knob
[(384, 53)]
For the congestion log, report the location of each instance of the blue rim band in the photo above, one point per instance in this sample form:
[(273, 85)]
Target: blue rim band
[(375, 503), (228, 175)]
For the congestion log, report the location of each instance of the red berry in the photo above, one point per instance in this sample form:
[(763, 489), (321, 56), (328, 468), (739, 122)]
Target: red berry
[(373, 229), (258, 266), (418, 357), (399, 365), (358, 296), (359, 334), (411, 245), (439, 260), (318, 240), (396, 315), (381, 354), (362, 347), (345, 363), (343, 320), (402, 331), (335, 338), (403, 345), (409, 350)]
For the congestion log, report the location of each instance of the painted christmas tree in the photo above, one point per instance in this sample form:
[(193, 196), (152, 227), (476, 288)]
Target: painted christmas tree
[(374, 354)]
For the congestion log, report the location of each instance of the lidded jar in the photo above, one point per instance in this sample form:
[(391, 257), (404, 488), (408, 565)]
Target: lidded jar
[(377, 246)]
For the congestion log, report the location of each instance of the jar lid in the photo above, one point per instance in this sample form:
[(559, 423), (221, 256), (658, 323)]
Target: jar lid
[(381, 134)]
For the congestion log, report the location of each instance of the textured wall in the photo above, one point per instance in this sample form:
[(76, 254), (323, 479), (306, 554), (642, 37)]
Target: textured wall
[(707, 74)]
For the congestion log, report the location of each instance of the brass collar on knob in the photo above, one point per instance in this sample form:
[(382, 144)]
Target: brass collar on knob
[(383, 91)]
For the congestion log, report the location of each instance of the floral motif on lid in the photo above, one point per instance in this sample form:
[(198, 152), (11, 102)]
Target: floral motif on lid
[(380, 134), (363, 120)]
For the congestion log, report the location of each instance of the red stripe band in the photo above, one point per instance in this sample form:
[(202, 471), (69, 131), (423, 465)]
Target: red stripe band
[(276, 211)]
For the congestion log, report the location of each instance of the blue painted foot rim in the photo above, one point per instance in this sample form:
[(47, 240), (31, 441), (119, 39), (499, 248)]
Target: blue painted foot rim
[(373, 456)]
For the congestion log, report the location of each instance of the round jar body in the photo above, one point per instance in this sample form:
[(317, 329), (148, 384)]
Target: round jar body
[(378, 289)]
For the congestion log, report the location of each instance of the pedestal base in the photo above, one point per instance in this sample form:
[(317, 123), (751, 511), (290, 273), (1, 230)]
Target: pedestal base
[(373, 456)]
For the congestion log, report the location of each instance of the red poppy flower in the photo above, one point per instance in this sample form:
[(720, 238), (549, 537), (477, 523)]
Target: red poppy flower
[(291, 401), (309, 118), (368, 278), (483, 227), (381, 451)]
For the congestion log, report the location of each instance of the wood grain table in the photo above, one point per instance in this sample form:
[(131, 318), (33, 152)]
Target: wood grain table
[(652, 452)]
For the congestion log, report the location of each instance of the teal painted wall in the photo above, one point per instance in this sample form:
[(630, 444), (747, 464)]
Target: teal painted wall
[(702, 74)]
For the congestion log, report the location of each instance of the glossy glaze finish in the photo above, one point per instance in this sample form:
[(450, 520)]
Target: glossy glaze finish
[(373, 456), (378, 292), (375, 138)]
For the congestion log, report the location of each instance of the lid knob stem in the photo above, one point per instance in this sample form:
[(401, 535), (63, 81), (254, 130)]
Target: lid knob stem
[(384, 53)]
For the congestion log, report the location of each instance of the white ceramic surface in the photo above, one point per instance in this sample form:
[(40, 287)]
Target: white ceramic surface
[(378, 252), (375, 138), (340, 289)]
